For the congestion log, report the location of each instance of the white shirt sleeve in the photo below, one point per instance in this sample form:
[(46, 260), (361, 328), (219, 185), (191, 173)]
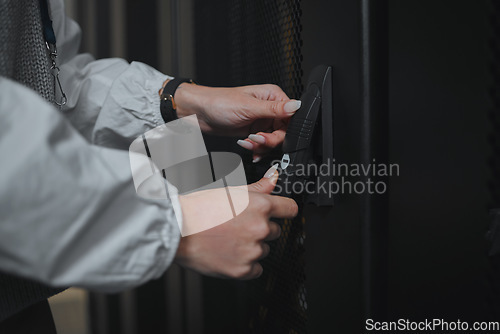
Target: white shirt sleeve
[(69, 213)]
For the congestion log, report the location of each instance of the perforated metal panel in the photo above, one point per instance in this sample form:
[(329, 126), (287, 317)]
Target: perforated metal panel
[(265, 43), (278, 298), (265, 47), (258, 42)]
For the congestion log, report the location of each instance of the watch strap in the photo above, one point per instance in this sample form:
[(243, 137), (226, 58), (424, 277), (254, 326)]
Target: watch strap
[(168, 107)]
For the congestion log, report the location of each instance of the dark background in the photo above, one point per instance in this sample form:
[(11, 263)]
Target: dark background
[(415, 83)]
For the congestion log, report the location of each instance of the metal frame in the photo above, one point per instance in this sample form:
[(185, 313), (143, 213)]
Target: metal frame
[(374, 144)]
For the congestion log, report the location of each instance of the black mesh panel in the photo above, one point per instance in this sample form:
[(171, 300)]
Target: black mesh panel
[(266, 48), (241, 42), (265, 44)]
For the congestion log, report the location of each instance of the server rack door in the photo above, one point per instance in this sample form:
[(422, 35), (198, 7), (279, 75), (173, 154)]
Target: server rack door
[(382, 257), (345, 244), (255, 42), (410, 87), (419, 252)]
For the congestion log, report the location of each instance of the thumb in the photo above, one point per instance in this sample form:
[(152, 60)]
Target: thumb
[(267, 183), (275, 109)]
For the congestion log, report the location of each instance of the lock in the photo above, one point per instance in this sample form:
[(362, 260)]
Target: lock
[(285, 161)]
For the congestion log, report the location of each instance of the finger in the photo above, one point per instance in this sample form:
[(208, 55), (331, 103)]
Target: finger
[(247, 144), (282, 207), (255, 271), (266, 92), (266, 184), (274, 109), (256, 158), (266, 249), (274, 231), (263, 141), (276, 93)]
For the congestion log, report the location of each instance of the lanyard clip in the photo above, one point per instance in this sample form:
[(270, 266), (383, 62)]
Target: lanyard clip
[(55, 72), (52, 49)]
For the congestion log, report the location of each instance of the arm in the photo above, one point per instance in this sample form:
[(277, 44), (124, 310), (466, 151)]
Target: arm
[(259, 112), (69, 211), (111, 102), (70, 216)]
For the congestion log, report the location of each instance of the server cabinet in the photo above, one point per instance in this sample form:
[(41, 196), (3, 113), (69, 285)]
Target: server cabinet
[(410, 88), (414, 84)]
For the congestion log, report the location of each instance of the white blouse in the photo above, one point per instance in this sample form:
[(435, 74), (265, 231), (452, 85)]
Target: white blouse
[(69, 213)]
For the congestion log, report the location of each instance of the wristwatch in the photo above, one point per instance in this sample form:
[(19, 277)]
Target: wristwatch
[(168, 108)]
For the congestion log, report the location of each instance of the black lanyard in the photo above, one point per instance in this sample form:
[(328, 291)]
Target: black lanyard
[(48, 29), (50, 41)]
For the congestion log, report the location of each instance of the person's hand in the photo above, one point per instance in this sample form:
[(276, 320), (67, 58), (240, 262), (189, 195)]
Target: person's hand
[(259, 112), (233, 249)]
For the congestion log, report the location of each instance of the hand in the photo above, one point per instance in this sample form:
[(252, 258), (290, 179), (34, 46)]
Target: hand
[(233, 249), (260, 112)]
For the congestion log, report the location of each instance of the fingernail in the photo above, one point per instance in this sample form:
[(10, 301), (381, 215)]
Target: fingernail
[(271, 171), (245, 144), (292, 106), (256, 159), (258, 139)]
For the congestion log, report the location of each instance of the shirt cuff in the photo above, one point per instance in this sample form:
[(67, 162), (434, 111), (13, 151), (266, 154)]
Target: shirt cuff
[(153, 86), (170, 233)]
